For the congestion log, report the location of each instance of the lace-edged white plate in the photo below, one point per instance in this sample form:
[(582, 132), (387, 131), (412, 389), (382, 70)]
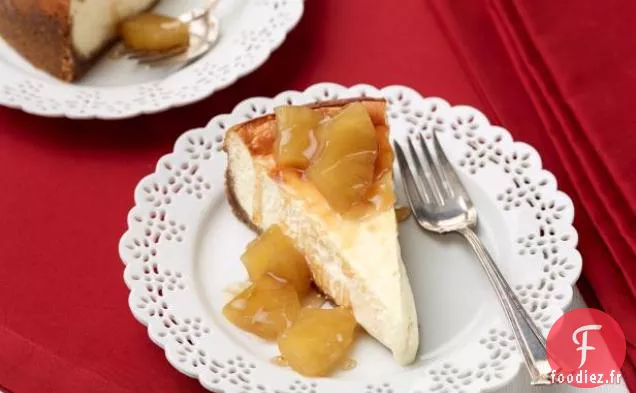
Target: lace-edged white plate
[(115, 89), (183, 245)]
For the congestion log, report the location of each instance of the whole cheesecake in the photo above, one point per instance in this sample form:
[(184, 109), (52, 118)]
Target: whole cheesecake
[(64, 37)]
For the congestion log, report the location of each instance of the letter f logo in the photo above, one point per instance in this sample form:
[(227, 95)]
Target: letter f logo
[(584, 347)]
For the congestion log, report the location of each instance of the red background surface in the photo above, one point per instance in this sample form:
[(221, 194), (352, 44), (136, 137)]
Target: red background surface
[(68, 185)]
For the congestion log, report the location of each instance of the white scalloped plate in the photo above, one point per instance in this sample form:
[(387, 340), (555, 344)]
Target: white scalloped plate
[(183, 245), (115, 89)]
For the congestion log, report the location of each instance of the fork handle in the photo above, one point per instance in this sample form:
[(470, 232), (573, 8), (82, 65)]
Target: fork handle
[(529, 339)]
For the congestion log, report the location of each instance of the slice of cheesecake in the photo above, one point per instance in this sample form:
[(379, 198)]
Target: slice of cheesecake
[(352, 248), (64, 37)]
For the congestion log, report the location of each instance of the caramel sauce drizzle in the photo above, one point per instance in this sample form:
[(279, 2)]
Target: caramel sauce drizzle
[(402, 213), (349, 364)]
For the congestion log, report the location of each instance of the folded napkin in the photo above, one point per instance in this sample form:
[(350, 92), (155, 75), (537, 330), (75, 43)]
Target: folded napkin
[(559, 75)]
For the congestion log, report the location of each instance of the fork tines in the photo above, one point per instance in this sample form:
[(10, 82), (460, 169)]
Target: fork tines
[(433, 179), (149, 57)]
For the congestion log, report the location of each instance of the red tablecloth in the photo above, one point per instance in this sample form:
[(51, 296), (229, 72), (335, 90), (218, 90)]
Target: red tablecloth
[(67, 187)]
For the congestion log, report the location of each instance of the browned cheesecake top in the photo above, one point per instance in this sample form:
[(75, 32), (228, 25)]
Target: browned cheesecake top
[(259, 134), (362, 188)]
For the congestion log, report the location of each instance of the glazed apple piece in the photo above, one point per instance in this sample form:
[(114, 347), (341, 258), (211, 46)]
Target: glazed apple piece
[(266, 308), (153, 32), (318, 341), (379, 198), (343, 168), (273, 253), (295, 140)]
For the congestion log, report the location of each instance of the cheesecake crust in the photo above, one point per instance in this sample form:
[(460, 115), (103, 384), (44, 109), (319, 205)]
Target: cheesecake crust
[(235, 206), (40, 30)]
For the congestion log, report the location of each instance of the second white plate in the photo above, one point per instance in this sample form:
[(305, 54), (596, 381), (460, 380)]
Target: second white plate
[(115, 89)]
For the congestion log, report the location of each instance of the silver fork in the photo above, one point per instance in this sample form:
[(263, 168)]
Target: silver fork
[(204, 33), (440, 204)]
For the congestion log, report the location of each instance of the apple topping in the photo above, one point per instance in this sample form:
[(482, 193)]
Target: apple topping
[(273, 253), (295, 140), (344, 166), (266, 308), (318, 341), (154, 33)]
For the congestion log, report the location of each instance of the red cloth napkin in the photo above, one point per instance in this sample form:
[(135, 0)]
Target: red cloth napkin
[(67, 186), (561, 74)]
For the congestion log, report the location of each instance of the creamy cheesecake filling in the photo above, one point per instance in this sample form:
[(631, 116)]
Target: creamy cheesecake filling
[(94, 22)]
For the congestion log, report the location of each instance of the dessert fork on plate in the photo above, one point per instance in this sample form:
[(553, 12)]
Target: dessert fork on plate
[(439, 202), (204, 30)]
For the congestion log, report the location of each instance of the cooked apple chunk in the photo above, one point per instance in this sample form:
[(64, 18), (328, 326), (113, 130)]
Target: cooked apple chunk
[(273, 253), (266, 308), (295, 141), (153, 32), (318, 341), (344, 166)]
